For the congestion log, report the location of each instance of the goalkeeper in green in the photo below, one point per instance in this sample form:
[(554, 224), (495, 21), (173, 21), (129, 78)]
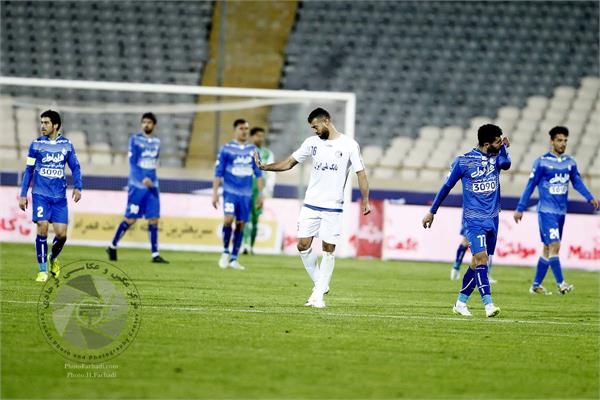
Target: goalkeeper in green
[(257, 136)]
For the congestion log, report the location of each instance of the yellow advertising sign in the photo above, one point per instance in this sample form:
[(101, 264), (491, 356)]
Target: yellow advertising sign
[(172, 230)]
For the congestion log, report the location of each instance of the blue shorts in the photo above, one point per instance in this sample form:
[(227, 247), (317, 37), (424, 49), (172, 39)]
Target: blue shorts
[(142, 203), (482, 234), (238, 206), (551, 227), (49, 209)]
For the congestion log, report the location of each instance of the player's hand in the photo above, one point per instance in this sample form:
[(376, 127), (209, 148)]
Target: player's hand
[(260, 201), (215, 200), (259, 163), (366, 207), (506, 141), (148, 182), (518, 215), (595, 204), (23, 203), (76, 195), (428, 220)]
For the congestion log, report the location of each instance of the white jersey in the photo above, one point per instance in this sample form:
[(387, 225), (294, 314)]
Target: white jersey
[(331, 163)]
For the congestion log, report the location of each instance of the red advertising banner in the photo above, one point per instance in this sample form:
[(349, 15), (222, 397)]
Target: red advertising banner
[(370, 231)]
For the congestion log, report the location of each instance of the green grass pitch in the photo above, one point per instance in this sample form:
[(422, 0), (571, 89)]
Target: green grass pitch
[(388, 332)]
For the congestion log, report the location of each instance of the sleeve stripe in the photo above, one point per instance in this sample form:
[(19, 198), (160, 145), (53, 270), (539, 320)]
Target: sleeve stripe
[(30, 161)]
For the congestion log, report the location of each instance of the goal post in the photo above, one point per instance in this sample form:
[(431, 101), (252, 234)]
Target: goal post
[(113, 102)]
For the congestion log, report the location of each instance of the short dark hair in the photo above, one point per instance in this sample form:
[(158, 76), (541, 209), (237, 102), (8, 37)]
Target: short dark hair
[(239, 121), (255, 130), (488, 133), (149, 116), (558, 130), (54, 117), (318, 113)]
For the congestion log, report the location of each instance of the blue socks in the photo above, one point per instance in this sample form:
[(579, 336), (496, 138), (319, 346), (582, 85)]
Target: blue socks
[(123, 226), (468, 285), (483, 283), (226, 237), (460, 254), (153, 233), (540, 271), (57, 246), (556, 269), (479, 278), (41, 250), (238, 236)]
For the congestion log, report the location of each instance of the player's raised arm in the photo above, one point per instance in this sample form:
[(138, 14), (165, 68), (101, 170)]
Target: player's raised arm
[(503, 160), (453, 177), (75, 168), (534, 179), (283, 165)]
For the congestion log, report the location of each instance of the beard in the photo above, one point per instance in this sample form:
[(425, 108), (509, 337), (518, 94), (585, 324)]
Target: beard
[(492, 150), (324, 134)]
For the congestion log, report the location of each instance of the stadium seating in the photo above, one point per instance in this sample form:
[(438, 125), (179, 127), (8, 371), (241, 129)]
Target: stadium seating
[(578, 108), (101, 40), (413, 64), (426, 76)]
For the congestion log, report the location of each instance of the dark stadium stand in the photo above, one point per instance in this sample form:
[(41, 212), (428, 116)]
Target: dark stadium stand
[(437, 63), (426, 75), (125, 41)]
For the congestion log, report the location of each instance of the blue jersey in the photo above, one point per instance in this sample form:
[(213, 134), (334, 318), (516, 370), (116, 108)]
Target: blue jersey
[(143, 159), (235, 164), (46, 162), (480, 176), (552, 174)]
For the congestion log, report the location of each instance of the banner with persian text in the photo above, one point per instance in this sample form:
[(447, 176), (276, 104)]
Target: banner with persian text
[(189, 222), (518, 244)]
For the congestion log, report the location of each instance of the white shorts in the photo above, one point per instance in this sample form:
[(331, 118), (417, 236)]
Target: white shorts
[(326, 225)]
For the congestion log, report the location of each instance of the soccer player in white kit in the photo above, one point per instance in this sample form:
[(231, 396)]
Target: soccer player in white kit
[(332, 155)]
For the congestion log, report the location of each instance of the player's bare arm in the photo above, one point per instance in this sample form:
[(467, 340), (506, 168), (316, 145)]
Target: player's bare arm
[(518, 215), (363, 185), (23, 203), (428, 220), (283, 165), (147, 182), (76, 195), (260, 184), (595, 204), (215, 195)]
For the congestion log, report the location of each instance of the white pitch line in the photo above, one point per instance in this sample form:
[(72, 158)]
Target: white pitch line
[(206, 310)]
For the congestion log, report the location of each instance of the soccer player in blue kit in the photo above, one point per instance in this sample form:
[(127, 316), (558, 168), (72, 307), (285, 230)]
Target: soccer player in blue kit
[(142, 193), (479, 171), (552, 173), (46, 160), (235, 167)]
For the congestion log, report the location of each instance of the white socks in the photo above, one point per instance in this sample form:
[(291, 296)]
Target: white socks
[(309, 259), (325, 272)]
